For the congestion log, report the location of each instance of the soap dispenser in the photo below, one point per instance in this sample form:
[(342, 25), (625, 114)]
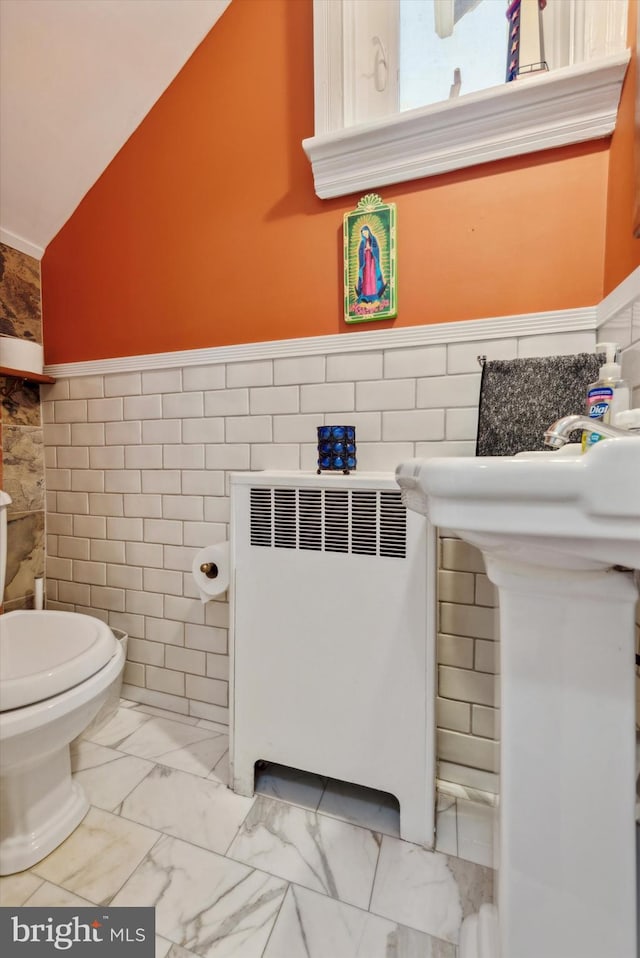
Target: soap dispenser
[(608, 396)]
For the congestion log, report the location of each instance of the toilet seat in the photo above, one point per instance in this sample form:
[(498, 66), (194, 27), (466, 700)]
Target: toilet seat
[(76, 647)]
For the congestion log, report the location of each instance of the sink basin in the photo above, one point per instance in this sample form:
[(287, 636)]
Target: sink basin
[(583, 509)]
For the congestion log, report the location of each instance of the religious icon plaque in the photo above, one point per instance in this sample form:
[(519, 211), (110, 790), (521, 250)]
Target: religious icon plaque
[(370, 290)]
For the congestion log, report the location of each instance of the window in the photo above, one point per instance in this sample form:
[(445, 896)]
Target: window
[(363, 141), (449, 48)]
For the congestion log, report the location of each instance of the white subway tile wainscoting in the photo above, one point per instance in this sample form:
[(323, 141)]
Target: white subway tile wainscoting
[(138, 456), (307, 868)]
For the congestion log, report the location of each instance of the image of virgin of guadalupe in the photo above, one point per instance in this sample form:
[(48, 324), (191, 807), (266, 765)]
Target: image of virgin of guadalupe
[(371, 284)]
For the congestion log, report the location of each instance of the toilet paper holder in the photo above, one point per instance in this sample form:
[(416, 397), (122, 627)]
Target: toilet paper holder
[(210, 569)]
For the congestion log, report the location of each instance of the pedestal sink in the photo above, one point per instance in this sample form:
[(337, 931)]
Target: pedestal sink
[(556, 530)]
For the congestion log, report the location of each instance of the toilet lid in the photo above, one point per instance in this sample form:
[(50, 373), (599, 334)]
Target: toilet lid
[(43, 653)]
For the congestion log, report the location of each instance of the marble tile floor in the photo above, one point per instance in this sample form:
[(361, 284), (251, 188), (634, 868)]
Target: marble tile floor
[(307, 868)]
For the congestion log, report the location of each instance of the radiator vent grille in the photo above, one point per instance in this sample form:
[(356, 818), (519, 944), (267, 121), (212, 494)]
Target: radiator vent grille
[(360, 521)]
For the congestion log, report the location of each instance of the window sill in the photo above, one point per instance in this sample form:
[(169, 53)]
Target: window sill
[(569, 105)]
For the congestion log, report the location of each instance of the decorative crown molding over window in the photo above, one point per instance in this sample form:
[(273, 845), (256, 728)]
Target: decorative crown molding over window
[(571, 104)]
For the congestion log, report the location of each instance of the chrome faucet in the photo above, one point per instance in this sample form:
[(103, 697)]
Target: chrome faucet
[(558, 432)]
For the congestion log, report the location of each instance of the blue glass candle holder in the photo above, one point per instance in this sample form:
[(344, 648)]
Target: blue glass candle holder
[(336, 449)]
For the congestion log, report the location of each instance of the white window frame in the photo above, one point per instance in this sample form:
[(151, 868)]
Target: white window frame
[(571, 104)]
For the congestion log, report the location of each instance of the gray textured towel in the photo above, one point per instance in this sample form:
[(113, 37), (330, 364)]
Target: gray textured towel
[(520, 398)]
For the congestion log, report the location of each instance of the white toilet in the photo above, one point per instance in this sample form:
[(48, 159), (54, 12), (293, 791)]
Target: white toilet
[(57, 669)]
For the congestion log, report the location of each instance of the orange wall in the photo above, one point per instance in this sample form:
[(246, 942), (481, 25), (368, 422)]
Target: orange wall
[(622, 253), (205, 229)]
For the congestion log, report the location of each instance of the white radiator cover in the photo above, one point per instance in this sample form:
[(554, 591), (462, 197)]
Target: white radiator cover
[(333, 605)]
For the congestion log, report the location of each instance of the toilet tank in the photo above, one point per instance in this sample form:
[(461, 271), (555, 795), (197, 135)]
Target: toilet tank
[(5, 500), (333, 635)]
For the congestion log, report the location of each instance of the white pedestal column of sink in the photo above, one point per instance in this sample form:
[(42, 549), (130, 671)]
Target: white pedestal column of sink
[(552, 528), (566, 875)]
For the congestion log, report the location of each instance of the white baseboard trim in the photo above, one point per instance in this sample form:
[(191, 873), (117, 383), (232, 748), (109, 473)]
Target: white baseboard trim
[(480, 330)]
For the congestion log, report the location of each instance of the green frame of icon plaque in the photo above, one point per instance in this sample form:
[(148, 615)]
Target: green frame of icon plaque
[(369, 237)]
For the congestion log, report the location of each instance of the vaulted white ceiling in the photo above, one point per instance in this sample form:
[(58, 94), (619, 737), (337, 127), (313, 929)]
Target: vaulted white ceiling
[(76, 79)]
